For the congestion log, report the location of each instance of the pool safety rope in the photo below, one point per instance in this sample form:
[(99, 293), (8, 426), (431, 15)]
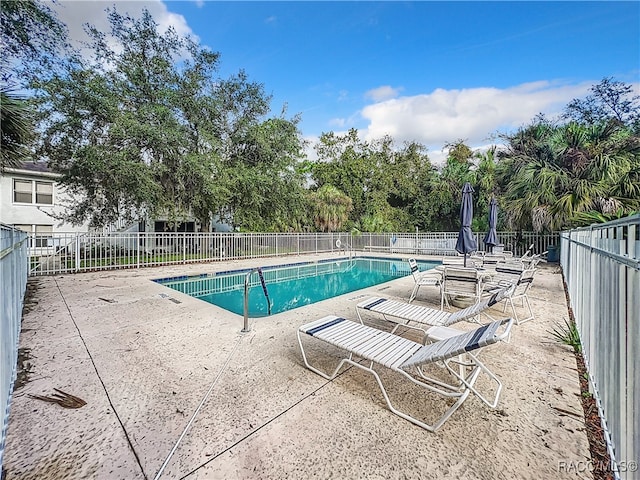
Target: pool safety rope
[(195, 414)]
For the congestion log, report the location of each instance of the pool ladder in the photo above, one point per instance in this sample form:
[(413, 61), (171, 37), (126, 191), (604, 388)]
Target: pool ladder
[(344, 246), (245, 327)]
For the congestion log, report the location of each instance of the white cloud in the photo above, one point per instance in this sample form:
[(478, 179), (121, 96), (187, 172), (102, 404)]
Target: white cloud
[(338, 122), (471, 114), (385, 92), (76, 14)]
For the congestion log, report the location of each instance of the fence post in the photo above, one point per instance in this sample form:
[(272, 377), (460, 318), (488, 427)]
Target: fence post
[(77, 253)]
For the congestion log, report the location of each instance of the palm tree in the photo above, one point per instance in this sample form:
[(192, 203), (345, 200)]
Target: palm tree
[(331, 208), (486, 185), (15, 128), (553, 174)]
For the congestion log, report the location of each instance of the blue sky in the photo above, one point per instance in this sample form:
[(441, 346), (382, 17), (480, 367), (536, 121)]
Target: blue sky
[(432, 72)]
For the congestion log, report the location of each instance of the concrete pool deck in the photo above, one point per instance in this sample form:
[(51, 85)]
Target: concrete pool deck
[(144, 357)]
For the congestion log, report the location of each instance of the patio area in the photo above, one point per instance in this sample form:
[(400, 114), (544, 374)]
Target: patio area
[(144, 357)]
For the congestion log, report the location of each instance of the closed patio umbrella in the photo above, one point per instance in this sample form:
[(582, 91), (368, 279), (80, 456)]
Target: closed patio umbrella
[(491, 238), (466, 241)]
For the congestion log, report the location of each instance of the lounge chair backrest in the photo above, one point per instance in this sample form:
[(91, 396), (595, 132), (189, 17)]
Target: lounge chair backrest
[(459, 261), (532, 261), (459, 344), (508, 272), (524, 282), (528, 252), (413, 266), (479, 307), (460, 281), (490, 260)]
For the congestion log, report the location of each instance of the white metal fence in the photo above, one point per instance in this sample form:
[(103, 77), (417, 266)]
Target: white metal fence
[(78, 252), (13, 278), (601, 266)]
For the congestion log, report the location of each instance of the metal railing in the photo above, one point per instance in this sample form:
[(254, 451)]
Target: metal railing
[(13, 279), (258, 270), (601, 266), (80, 252)]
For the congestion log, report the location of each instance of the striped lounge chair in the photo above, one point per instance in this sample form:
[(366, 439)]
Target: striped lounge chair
[(430, 278), (436, 320), (520, 281), (409, 359)]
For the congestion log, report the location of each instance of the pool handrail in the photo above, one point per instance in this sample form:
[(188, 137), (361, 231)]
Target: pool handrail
[(344, 245), (245, 327)]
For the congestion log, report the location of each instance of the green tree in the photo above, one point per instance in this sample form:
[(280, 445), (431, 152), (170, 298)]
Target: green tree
[(445, 189), (331, 208), (146, 128), (31, 37), (553, 174), (267, 185), (345, 163), (382, 180), (609, 100), (487, 186), (16, 130)]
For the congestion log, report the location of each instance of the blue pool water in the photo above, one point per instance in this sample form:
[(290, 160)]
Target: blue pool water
[(292, 286)]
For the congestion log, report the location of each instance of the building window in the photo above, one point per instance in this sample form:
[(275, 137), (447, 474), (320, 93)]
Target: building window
[(39, 235), (22, 191), (44, 193), (44, 233), (25, 191), (24, 228)]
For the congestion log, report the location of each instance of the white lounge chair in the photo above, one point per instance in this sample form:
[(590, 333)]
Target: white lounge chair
[(521, 284), (505, 273), (430, 278), (402, 313), (461, 282), (408, 358)]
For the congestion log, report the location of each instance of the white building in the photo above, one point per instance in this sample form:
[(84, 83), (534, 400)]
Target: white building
[(30, 198)]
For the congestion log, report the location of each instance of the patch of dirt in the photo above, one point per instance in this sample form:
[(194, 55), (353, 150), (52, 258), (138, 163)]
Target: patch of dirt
[(23, 368), (600, 458), (595, 433), (24, 354), (33, 285)]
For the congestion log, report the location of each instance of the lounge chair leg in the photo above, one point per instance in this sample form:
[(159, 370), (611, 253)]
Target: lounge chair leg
[(415, 421), (525, 302), (414, 293), (470, 384)]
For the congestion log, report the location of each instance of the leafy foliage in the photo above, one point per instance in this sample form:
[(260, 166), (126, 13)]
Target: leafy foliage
[(145, 129), (567, 334), (331, 208), (30, 35), (16, 130), (382, 181), (552, 174), (610, 100)]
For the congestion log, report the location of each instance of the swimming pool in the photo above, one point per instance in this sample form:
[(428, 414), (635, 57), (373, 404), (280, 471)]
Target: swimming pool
[(292, 286)]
